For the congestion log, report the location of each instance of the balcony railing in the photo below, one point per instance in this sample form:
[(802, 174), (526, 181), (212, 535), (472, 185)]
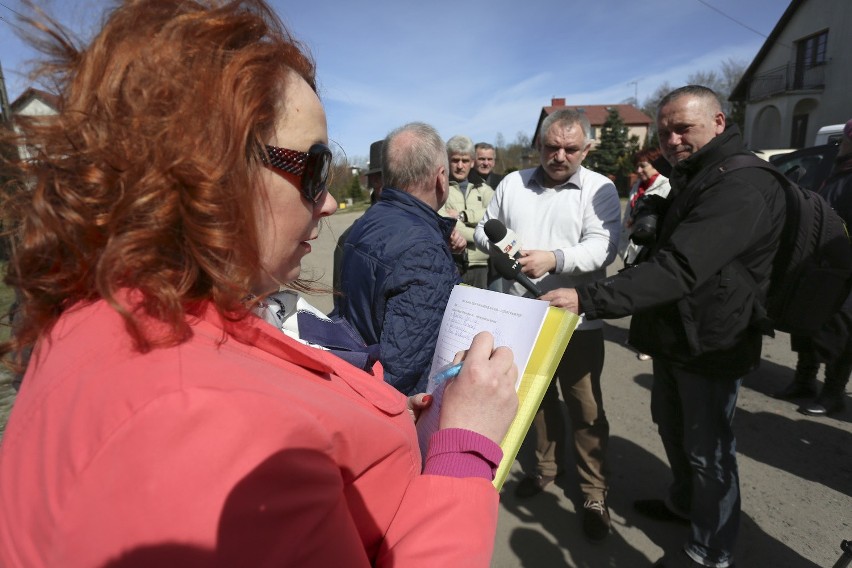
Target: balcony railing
[(785, 79)]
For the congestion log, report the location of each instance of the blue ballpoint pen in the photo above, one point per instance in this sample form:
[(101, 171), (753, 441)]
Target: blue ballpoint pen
[(448, 373)]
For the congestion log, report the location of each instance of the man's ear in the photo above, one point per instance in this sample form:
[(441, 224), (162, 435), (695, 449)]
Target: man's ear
[(442, 186), (719, 119)]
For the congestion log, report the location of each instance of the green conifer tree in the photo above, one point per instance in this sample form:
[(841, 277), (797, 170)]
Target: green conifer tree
[(355, 190), (613, 154)]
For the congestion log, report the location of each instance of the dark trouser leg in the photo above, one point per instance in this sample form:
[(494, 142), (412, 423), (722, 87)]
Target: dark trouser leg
[(832, 397), (804, 383), (836, 379), (694, 414), (476, 276)]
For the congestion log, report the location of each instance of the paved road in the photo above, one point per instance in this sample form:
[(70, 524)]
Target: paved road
[(796, 471)]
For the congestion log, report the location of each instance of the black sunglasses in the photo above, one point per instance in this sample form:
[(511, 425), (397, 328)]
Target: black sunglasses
[(311, 167)]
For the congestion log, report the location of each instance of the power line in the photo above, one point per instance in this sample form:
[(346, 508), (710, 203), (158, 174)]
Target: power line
[(11, 10), (10, 22), (736, 21)]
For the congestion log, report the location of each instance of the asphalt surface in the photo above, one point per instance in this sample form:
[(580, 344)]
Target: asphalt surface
[(795, 470)]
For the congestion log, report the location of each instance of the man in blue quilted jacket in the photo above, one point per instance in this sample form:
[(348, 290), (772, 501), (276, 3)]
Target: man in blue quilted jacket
[(398, 270)]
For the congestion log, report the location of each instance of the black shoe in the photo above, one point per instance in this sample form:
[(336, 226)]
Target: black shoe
[(679, 559), (797, 389), (658, 510), (530, 486), (596, 521), (823, 406)]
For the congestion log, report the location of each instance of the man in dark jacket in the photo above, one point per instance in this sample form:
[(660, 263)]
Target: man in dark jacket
[(692, 311), (833, 343), (483, 167), (374, 184), (397, 271)]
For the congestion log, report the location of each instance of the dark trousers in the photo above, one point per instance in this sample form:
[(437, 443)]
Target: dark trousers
[(694, 415), (475, 276), (838, 366)]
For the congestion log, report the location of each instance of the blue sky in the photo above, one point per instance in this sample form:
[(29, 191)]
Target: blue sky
[(478, 67)]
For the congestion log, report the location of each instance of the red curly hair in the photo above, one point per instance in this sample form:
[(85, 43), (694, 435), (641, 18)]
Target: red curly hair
[(649, 154), (145, 179)]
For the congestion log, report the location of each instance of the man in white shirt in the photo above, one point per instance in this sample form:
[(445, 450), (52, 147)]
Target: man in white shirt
[(568, 221)]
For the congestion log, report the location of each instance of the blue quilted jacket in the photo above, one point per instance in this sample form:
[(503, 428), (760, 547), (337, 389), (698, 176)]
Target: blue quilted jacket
[(396, 275)]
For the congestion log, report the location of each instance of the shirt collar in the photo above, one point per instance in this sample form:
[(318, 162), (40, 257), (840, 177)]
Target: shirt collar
[(571, 182)]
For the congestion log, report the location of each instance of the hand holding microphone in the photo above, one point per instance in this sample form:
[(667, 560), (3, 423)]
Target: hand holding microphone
[(510, 269)]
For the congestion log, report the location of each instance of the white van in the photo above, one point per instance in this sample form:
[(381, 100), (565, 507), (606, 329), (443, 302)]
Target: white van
[(829, 134)]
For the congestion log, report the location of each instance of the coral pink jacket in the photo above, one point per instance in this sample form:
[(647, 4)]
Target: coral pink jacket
[(237, 448)]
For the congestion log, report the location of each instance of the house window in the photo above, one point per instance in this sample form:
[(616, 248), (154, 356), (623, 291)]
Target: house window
[(811, 50)]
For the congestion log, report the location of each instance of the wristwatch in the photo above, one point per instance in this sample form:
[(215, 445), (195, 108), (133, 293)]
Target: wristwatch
[(463, 217)]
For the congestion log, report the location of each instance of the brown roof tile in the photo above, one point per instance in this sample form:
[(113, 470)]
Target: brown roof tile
[(597, 114)]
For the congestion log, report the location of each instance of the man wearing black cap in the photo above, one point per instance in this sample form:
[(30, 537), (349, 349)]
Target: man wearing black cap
[(374, 183)]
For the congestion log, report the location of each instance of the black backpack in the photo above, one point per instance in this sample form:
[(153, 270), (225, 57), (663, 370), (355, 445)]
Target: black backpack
[(812, 271)]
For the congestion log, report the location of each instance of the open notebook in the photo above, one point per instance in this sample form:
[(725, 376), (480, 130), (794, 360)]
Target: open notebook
[(537, 335)]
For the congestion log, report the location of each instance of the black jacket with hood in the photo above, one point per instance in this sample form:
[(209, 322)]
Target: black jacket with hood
[(690, 302)]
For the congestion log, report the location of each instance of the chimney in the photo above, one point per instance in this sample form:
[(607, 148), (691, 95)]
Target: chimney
[(557, 102)]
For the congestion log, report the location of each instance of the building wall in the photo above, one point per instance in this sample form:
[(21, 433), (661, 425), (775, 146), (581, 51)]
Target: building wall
[(641, 132), (33, 107), (769, 122)]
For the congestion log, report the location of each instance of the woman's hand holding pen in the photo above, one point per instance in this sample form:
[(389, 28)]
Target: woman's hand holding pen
[(482, 397)]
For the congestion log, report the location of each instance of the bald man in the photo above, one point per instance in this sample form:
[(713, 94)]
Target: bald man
[(692, 307)]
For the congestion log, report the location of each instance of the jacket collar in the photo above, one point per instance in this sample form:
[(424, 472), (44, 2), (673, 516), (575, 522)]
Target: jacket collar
[(255, 332), (414, 206)]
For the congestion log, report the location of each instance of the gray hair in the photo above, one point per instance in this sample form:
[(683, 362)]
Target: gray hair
[(706, 94), (410, 156), (484, 146), (569, 117), (460, 145)]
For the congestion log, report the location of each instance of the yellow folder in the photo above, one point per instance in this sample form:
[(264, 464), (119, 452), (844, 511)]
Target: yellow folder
[(549, 347), (537, 334)]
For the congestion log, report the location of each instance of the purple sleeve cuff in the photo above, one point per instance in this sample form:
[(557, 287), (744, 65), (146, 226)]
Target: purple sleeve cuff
[(455, 452)]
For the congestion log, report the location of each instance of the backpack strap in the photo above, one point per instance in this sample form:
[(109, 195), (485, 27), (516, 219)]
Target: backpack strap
[(740, 161)]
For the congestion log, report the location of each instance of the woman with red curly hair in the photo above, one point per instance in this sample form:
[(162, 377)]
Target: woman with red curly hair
[(160, 421)]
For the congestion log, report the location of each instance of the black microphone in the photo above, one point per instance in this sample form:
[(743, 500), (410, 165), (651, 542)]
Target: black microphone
[(511, 270), (503, 239)]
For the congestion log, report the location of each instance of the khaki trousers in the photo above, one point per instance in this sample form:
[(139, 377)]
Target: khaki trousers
[(579, 378)]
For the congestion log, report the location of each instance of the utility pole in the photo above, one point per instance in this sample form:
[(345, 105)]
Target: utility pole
[(5, 111), (635, 92)]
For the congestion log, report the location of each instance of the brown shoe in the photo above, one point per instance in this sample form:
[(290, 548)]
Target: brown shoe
[(530, 486), (596, 521)]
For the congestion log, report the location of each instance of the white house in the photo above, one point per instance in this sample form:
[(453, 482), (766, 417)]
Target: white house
[(801, 79), (33, 102)]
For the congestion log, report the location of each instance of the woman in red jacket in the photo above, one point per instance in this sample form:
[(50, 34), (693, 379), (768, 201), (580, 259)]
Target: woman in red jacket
[(160, 422)]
